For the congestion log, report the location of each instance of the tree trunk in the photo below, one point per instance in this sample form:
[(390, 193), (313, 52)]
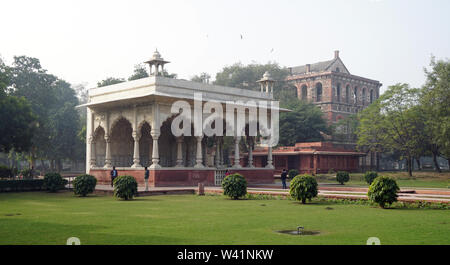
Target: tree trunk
[(33, 157), (436, 165), (377, 157), (409, 159), (418, 164), (44, 168)]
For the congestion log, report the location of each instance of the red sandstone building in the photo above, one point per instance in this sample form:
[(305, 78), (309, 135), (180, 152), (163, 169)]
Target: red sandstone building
[(312, 158), (331, 86)]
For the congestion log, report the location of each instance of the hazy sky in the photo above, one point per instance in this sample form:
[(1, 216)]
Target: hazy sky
[(87, 41)]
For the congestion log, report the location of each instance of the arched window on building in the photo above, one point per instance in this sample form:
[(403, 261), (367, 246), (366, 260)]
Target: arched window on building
[(347, 94), (318, 92), (355, 95), (371, 96), (364, 96), (304, 92), (338, 92)]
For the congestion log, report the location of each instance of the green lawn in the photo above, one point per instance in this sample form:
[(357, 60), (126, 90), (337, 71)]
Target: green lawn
[(420, 179), (45, 218)]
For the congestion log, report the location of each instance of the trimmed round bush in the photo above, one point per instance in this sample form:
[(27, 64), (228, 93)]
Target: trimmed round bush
[(125, 187), (234, 186), (369, 176), (383, 191), (84, 184), (342, 177), (54, 182), (303, 187), (292, 173)]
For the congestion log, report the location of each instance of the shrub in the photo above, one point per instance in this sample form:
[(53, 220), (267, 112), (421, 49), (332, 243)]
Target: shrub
[(234, 186), (369, 176), (292, 173), (21, 185), (342, 177), (84, 184), (5, 172), (54, 182), (303, 187), (383, 190), (27, 173), (125, 187)]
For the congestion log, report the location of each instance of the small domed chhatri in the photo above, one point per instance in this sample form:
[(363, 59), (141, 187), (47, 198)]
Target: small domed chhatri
[(157, 61), (266, 82)]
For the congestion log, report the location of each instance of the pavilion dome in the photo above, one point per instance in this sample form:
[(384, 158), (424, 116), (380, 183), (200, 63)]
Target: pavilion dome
[(156, 55)]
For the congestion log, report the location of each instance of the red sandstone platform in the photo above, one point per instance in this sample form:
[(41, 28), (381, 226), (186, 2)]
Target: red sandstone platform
[(182, 177)]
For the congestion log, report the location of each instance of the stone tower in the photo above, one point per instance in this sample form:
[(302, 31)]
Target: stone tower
[(330, 85), (338, 93)]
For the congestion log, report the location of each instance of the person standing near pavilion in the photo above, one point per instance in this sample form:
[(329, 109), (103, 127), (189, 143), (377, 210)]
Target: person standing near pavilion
[(283, 178), (113, 174), (146, 176)]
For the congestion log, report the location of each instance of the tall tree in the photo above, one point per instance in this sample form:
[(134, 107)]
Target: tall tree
[(345, 129), (139, 72), (28, 79), (305, 123), (65, 124), (392, 123), (436, 106), (245, 76), (17, 122), (53, 102)]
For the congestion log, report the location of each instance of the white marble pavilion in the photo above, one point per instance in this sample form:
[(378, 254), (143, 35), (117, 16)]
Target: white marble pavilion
[(129, 127)]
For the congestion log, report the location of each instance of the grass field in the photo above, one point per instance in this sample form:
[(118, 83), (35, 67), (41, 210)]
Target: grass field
[(46, 218), (423, 179)]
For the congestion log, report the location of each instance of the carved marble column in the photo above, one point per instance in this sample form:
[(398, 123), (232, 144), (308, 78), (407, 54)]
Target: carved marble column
[(269, 158), (93, 160), (236, 152), (155, 152), (136, 158), (150, 153), (108, 151), (199, 155), (221, 151), (217, 158), (250, 152), (180, 151)]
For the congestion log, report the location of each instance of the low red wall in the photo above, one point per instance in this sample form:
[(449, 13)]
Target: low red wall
[(182, 177), (256, 176)]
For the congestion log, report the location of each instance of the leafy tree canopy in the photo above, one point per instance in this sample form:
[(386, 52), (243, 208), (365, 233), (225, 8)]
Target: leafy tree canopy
[(393, 123), (139, 72), (305, 123), (110, 81)]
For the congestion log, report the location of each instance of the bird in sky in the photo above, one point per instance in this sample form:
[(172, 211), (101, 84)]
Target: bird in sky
[(241, 36)]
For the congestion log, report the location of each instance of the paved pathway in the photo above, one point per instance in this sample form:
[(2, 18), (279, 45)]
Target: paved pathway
[(434, 195)]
